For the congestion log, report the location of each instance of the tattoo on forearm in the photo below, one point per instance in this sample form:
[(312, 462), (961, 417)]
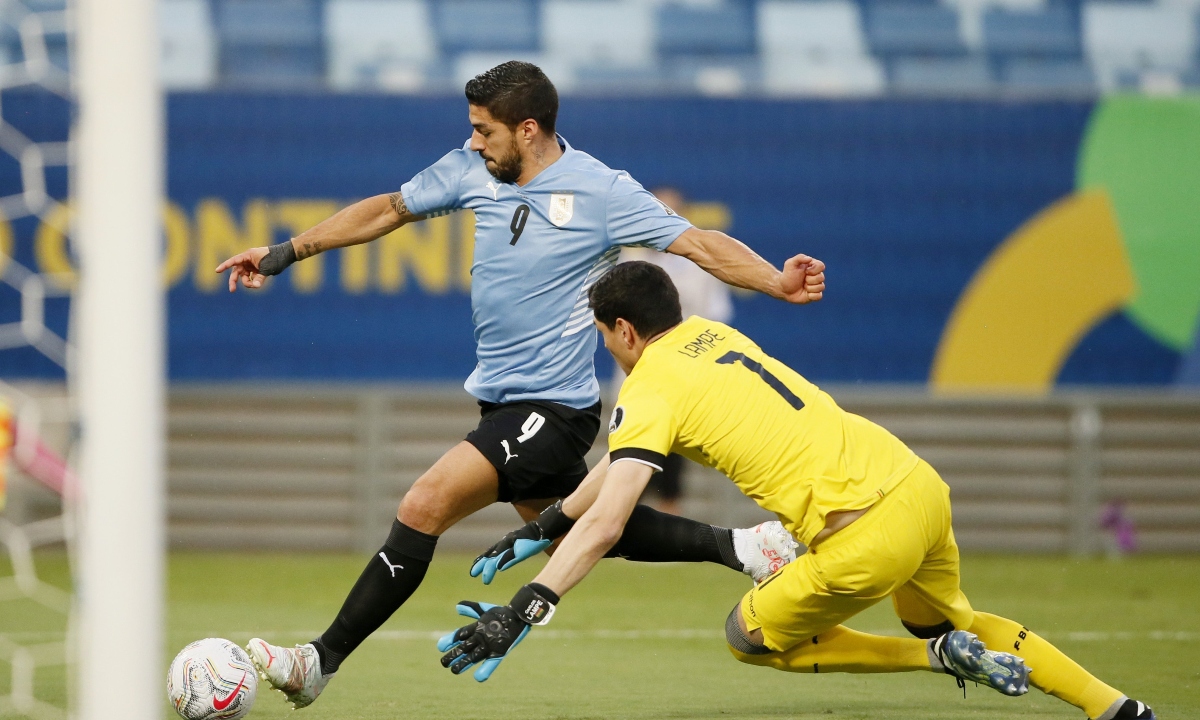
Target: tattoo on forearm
[(309, 248), (396, 200)]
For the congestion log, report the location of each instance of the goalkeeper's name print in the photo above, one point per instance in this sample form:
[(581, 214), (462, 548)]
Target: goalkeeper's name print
[(704, 342)]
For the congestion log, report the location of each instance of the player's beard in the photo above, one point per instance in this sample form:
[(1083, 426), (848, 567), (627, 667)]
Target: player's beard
[(507, 169)]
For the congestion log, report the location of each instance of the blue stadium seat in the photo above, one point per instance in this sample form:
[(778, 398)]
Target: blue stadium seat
[(1056, 77), (941, 76), (1052, 32), (613, 80), (270, 43), (724, 29), (486, 25), (715, 76), (45, 5), (903, 28)]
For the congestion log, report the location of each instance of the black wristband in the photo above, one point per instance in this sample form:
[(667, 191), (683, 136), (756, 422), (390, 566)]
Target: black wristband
[(534, 603), (553, 522), (278, 258)]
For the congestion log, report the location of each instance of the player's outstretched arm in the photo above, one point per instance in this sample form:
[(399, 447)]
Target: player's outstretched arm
[(802, 279), (599, 529), (498, 628), (540, 533), (355, 224)]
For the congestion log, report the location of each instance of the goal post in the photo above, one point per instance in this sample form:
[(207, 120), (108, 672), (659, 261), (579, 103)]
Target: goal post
[(118, 190)]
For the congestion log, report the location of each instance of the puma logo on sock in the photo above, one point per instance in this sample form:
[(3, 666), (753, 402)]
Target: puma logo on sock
[(389, 564)]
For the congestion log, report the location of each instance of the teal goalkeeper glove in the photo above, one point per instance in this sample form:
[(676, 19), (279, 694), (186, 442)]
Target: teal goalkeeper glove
[(497, 630), (523, 543)]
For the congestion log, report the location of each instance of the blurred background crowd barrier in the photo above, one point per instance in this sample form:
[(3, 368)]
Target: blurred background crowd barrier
[(1013, 250), (304, 467)]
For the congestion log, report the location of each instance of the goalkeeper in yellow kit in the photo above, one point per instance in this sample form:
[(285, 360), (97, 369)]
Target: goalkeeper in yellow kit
[(875, 516)]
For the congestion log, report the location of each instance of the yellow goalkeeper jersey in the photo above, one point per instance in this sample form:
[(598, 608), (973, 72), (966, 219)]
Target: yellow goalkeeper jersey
[(707, 392)]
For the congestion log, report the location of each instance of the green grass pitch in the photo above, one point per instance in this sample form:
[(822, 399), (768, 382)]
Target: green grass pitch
[(645, 641)]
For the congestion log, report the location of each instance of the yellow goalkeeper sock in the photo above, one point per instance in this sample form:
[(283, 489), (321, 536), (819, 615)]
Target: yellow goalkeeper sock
[(1051, 671), (844, 650)]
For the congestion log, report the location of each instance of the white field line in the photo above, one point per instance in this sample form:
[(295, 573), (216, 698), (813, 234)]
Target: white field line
[(708, 634), (664, 634)]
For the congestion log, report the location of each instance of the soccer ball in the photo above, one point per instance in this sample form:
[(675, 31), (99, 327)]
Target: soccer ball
[(212, 679)]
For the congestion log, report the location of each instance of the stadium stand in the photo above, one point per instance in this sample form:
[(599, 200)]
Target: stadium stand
[(1126, 41), (188, 56), (899, 29), (941, 76), (715, 47), (816, 48), (385, 44), (270, 43)]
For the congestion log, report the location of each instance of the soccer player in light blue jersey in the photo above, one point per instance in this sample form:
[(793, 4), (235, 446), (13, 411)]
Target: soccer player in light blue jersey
[(549, 221)]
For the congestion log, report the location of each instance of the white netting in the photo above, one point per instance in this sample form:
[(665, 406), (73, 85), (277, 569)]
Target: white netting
[(36, 420)]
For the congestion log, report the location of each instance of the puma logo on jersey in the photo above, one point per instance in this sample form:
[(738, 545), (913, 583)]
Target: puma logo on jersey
[(389, 563), (509, 455), (495, 190)]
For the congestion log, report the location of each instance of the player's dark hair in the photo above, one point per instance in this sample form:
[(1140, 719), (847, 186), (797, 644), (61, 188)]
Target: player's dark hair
[(514, 92), (640, 292)]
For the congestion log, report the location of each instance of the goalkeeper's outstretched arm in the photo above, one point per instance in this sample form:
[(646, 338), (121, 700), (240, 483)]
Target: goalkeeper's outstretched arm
[(539, 534), (599, 529), (499, 628), (355, 224)]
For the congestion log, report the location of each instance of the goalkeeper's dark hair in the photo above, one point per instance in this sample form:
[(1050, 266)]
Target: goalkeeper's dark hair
[(640, 292), (514, 92)]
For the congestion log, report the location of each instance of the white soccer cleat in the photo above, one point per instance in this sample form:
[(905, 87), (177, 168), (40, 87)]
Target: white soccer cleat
[(296, 672), (763, 549)]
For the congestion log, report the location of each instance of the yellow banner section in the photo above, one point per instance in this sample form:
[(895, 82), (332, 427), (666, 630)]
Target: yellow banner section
[(1034, 299), (435, 253), (433, 256)]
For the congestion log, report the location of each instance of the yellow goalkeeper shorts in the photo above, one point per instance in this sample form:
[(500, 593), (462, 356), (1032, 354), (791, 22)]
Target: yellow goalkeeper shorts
[(903, 547)]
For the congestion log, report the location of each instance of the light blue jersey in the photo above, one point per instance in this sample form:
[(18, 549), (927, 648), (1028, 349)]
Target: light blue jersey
[(538, 249)]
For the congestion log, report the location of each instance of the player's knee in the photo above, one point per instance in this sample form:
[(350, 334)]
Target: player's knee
[(928, 632), (424, 509), (743, 647)]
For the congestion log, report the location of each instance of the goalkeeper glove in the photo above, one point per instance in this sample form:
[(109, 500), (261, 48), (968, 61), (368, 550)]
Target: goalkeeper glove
[(497, 630), (523, 543)]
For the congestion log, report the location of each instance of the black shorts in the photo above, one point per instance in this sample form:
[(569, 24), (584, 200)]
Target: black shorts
[(537, 447)]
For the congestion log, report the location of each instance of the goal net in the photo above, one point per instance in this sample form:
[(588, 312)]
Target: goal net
[(37, 416)]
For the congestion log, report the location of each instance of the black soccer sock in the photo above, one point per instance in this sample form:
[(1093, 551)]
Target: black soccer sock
[(653, 536), (388, 580)]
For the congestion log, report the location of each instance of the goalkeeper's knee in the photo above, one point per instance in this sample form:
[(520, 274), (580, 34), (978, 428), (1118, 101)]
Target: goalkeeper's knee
[(740, 644)]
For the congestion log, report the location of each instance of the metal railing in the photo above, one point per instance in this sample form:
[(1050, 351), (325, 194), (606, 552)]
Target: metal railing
[(304, 467)]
